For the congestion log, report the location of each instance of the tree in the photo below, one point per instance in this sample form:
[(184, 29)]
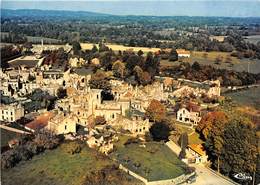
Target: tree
[(212, 122), (140, 53), (173, 56), (145, 78), (61, 93), (182, 153), (239, 151), (160, 131), (196, 66), (99, 81), (132, 61), (183, 140), (118, 69), (106, 60), (156, 111), (28, 46), (94, 49), (76, 47), (211, 128)]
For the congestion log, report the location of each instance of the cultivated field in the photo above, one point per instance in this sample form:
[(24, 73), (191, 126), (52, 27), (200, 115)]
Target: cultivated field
[(218, 38), (117, 47)]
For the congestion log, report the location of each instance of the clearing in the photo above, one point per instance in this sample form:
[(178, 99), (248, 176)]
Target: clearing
[(57, 167), (154, 162), (208, 58), (249, 97)]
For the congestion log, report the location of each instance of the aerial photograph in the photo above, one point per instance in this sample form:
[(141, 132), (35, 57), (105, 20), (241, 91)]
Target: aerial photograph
[(130, 92)]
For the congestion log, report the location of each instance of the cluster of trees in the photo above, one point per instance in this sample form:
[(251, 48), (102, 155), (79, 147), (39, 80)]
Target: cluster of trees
[(110, 174), (40, 100), (206, 72), (28, 147), (231, 142), (161, 128), (243, 49), (136, 69), (9, 52), (189, 33), (57, 58)]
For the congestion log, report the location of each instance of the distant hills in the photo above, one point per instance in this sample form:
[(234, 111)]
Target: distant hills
[(35, 13)]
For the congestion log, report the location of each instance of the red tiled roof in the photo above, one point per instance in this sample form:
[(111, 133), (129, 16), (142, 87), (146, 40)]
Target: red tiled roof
[(193, 107), (40, 122)]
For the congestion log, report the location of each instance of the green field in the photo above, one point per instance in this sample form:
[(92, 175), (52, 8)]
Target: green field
[(249, 97), (56, 167), (237, 64), (155, 161), (195, 139), (253, 39)]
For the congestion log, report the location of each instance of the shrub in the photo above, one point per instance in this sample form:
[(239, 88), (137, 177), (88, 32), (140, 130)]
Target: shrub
[(46, 140), (9, 159), (73, 148)]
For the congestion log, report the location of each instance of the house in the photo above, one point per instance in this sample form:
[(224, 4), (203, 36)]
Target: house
[(63, 123), (101, 137), (40, 122), (189, 114), (136, 125), (11, 112), (183, 53), (198, 152), (75, 62)]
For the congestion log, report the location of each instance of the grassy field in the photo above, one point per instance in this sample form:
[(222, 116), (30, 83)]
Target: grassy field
[(253, 39), (218, 38), (55, 167), (249, 97), (154, 162), (236, 64), (195, 139)]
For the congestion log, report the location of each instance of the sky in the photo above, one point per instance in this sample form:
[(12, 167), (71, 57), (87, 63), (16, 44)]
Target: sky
[(227, 8)]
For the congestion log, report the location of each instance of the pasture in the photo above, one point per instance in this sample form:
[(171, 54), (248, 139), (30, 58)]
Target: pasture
[(155, 161), (254, 39), (249, 97), (226, 61), (57, 167)]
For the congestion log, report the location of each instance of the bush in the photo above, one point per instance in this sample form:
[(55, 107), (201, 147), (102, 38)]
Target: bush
[(9, 159), (28, 148), (46, 140), (73, 148)]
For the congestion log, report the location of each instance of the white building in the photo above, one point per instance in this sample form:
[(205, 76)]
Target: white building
[(11, 112), (189, 115), (183, 53)]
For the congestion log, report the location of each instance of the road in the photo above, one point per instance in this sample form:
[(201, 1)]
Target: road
[(207, 177)]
